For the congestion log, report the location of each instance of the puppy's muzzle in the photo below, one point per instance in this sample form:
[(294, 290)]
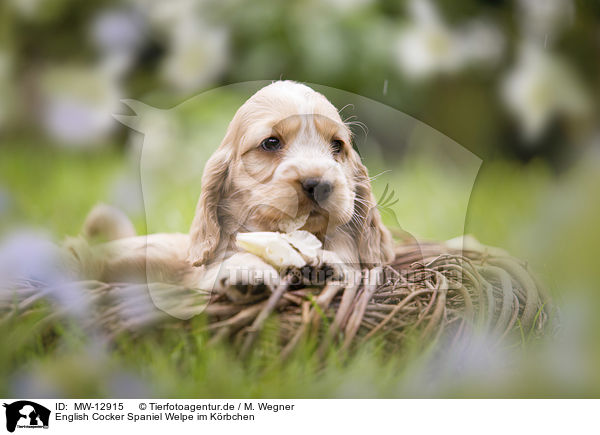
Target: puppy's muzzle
[(317, 189)]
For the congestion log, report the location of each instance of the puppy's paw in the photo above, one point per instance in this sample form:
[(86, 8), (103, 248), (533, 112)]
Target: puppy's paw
[(244, 277), (325, 267)]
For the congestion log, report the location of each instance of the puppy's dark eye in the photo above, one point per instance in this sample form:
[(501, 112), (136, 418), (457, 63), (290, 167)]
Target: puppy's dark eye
[(270, 144), (337, 146)]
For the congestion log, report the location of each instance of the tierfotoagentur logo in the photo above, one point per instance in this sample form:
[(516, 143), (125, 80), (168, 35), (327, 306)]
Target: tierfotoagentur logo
[(25, 414)]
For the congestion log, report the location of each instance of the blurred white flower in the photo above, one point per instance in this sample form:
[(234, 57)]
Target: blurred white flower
[(118, 34), (126, 385), (475, 359), (541, 86), (27, 8), (78, 104), (426, 45), (544, 18), (32, 383), (28, 255), (167, 14), (32, 256), (117, 30), (348, 6), (197, 53), (480, 42)]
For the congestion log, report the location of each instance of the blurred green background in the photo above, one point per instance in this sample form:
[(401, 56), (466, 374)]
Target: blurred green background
[(515, 83)]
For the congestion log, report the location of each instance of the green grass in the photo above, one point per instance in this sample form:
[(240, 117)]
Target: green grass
[(54, 189), (509, 206)]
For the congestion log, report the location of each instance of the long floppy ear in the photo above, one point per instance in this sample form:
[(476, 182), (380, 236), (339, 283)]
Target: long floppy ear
[(205, 232), (374, 241)]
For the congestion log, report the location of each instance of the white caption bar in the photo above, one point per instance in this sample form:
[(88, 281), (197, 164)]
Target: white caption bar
[(158, 416)]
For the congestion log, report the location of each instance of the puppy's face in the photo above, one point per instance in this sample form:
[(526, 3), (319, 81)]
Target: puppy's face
[(292, 165), (287, 163)]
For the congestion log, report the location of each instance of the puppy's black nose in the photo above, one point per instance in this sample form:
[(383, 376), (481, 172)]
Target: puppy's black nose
[(317, 189)]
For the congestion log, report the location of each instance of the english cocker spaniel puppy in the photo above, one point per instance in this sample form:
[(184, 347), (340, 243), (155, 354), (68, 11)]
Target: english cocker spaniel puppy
[(286, 162)]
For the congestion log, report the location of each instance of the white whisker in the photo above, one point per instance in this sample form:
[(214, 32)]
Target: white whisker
[(374, 177)]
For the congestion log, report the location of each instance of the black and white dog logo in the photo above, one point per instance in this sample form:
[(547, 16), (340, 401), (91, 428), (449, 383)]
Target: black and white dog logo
[(26, 414)]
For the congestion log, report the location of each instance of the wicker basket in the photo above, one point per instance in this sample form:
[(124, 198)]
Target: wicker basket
[(432, 290)]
